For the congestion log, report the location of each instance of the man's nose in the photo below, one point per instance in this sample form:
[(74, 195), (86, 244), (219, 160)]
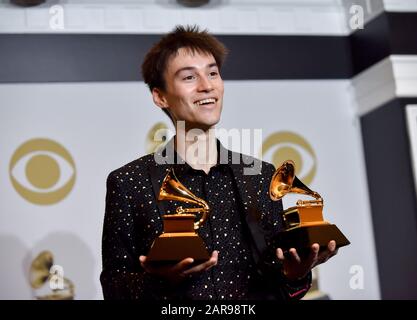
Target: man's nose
[(205, 84)]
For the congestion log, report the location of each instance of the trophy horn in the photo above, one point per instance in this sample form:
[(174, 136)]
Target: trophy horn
[(39, 269), (40, 273), (285, 181), (173, 189)]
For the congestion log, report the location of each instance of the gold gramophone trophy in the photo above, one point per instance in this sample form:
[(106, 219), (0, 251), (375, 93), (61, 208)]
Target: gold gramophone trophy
[(40, 274), (179, 239), (304, 223)]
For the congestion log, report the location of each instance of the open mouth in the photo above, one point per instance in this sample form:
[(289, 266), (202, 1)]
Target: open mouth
[(205, 102)]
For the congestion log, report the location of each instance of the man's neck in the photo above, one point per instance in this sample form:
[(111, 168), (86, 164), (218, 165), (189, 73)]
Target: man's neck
[(197, 147)]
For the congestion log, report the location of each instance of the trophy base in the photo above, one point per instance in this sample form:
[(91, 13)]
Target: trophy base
[(303, 237), (171, 248), (316, 295)]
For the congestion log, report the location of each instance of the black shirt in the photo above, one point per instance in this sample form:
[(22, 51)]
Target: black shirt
[(224, 231)]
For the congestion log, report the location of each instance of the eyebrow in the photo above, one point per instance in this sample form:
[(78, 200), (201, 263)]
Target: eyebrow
[(211, 65)]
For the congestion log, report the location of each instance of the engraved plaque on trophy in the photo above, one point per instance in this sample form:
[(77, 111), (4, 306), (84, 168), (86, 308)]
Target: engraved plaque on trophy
[(303, 224), (179, 239)]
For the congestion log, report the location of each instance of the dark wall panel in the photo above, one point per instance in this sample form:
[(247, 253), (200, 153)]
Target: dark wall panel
[(389, 33), (287, 57), (71, 58), (370, 44), (403, 32), (84, 57), (393, 198)]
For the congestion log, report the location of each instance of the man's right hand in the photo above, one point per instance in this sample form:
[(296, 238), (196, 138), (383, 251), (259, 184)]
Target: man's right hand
[(180, 271)]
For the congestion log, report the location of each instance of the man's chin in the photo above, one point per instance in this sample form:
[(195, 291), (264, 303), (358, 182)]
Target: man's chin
[(201, 126), (210, 124)]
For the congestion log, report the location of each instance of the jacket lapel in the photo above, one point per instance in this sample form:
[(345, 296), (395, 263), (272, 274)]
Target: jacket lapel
[(246, 186), (163, 160)]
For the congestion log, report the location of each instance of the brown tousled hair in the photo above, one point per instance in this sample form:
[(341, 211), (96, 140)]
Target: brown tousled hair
[(190, 37)]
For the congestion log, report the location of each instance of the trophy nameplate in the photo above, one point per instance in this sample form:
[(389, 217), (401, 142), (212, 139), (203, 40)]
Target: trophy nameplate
[(303, 224), (179, 239)]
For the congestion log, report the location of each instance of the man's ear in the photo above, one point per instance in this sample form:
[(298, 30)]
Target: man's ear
[(159, 98)]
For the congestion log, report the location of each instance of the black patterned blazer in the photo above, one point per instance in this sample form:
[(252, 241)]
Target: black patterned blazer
[(133, 220)]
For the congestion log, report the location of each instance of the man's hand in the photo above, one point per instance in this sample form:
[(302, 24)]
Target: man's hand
[(295, 268), (178, 272)]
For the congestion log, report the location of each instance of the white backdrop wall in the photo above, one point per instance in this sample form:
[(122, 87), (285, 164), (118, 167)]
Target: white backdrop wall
[(105, 125)]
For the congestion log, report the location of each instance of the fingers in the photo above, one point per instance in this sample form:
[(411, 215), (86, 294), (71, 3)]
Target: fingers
[(280, 254), (294, 255), (163, 269), (330, 251), (332, 248), (315, 249), (142, 260), (182, 265), (331, 245), (315, 257), (314, 253), (203, 266)]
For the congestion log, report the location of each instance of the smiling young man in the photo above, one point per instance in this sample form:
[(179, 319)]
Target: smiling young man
[(182, 71)]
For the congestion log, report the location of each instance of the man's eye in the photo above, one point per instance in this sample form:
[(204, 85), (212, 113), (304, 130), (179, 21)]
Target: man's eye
[(189, 78), (213, 73)]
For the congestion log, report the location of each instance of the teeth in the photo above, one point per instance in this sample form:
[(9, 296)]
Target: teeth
[(211, 100)]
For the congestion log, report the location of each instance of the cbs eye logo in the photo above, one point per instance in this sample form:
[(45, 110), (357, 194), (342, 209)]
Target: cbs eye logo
[(42, 171), (291, 146)]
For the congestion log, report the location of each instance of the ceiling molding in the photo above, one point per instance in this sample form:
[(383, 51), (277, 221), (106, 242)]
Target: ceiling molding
[(400, 5), (263, 17), (393, 77), (266, 17)]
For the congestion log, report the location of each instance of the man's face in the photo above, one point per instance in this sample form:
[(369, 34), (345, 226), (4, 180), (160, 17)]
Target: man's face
[(193, 89)]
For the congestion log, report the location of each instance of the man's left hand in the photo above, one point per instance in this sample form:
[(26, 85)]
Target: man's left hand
[(295, 268)]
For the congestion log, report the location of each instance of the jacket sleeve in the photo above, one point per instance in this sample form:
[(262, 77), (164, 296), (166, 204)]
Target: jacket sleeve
[(271, 223), (122, 276)]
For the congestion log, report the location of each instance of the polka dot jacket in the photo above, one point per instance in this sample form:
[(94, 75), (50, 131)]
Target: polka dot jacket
[(242, 225)]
